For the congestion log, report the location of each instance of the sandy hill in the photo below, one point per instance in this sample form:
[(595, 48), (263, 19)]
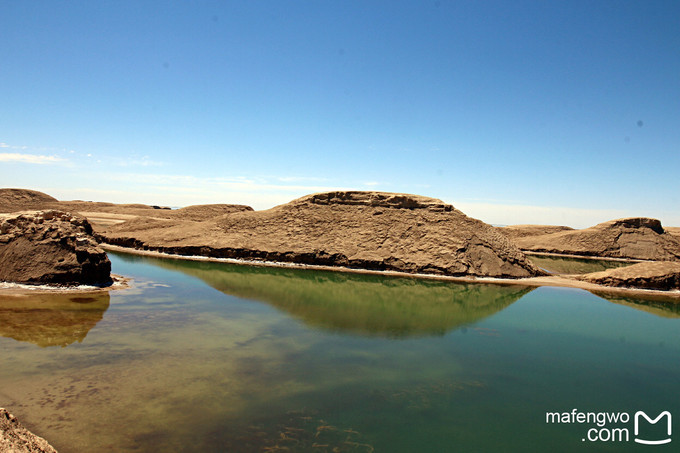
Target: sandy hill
[(102, 214), (520, 231), (675, 231), (636, 237), (656, 275), (368, 230), (23, 199)]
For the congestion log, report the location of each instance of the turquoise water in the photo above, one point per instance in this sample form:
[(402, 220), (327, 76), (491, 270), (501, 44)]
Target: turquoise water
[(200, 356)]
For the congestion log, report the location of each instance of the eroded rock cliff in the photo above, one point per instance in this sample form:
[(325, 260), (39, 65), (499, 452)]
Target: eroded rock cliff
[(658, 275), (368, 230), (50, 247), (636, 237)]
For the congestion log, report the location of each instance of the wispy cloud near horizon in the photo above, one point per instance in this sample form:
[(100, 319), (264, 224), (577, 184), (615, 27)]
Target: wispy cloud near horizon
[(30, 158)]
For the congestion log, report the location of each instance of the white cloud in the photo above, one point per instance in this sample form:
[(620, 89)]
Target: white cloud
[(29, 158), (135, 161), (183, 190), (514, 214), (300, 179), (371, 183), (4, 145)]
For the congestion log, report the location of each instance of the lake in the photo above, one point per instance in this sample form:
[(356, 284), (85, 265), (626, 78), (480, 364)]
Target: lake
[(213, 357)]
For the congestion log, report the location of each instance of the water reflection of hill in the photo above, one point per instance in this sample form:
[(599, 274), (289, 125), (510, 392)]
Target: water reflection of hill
[(657, 304), (364, 304), (51, 319)]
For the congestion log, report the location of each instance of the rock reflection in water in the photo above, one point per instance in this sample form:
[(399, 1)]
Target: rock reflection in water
[(656, 304), (51, 319), (369, 305)]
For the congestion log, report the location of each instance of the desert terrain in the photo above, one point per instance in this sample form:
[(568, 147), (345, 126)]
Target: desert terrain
[(376, 232)]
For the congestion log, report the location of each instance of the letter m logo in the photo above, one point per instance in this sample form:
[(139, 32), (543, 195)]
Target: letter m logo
[(639, 414)]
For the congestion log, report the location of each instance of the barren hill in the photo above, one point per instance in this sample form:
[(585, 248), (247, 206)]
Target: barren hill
[(520, 231), (675, 231), (368, 230), (103, 214), (636, 237), (23, 199), (659, 275)]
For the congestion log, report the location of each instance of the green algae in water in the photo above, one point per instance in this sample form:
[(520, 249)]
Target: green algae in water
[(355, 303), (210, 357)]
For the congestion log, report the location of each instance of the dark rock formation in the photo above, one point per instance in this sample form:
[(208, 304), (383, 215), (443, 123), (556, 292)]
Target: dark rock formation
[(51, 247), (636, 238), (656, 275), (14, 438), (367, 230)]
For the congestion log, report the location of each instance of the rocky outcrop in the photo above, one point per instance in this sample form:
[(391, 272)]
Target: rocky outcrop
[(50, 247), (367, 230), (635, 238), (14, 438), (657, 275), (377, 199)]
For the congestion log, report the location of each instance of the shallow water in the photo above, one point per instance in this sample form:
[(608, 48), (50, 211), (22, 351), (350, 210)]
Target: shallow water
[(201, 356), (563, 265)]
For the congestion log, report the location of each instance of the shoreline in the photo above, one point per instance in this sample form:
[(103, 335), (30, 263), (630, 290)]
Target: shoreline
[(10, 288), (586, 257), (550, 280)]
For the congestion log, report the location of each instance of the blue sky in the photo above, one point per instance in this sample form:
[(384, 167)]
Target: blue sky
[(515, 112)]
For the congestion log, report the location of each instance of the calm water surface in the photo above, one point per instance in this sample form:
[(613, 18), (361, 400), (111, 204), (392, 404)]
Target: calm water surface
[(561, 265), (214, 357)]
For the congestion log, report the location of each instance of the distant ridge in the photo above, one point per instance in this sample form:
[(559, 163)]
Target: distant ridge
[(634, 237)]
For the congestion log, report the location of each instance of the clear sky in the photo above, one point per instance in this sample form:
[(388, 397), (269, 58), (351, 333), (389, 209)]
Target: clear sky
[(554, 112)]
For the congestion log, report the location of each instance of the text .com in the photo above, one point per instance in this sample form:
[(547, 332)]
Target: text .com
[(602, 430)]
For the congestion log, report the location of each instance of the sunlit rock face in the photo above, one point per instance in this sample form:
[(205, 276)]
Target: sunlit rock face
[(659, 275), (636, 237), (364, 230), (50, 247)]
